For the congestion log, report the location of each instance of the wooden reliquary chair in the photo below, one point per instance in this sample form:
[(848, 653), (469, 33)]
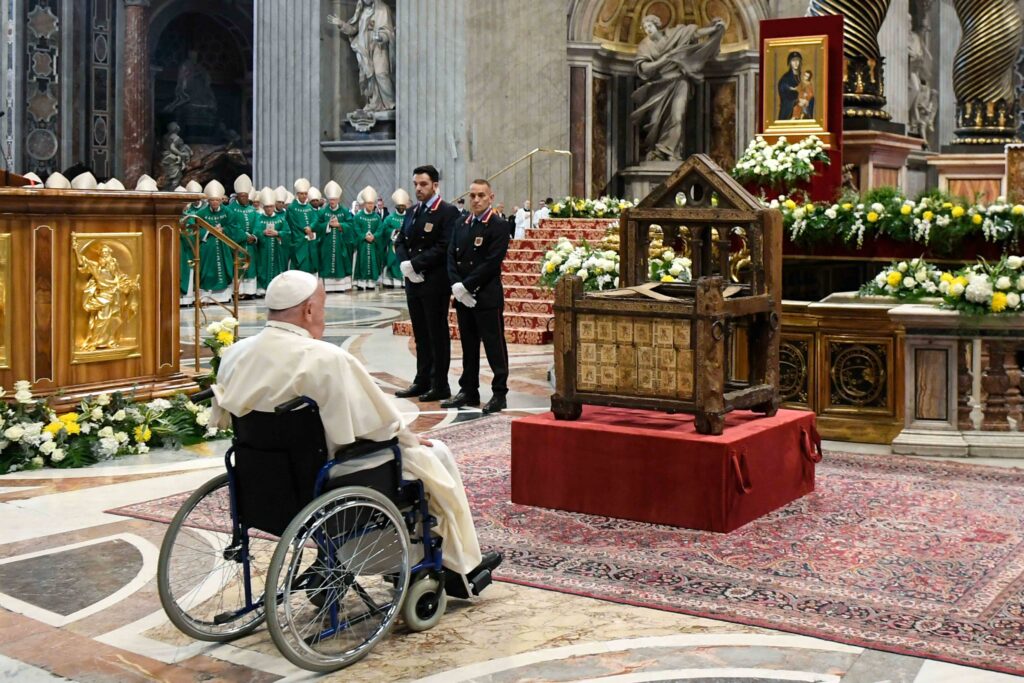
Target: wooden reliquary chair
[(671, 346)]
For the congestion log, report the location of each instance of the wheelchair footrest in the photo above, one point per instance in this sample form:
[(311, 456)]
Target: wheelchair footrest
[(465, 587)]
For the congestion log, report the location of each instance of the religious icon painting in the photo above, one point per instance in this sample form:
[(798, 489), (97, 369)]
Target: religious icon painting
[(795, 87)]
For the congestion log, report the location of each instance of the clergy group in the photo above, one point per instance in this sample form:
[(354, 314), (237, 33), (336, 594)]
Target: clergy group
[(309, 231)]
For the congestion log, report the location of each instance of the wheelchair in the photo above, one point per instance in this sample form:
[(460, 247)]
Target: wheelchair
[(326, 559)]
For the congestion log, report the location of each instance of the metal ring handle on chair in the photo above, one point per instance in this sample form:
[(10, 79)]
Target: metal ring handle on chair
[(717, 330), (739, 468)]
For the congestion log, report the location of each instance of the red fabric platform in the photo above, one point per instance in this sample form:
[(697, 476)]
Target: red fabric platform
[(654, 467)]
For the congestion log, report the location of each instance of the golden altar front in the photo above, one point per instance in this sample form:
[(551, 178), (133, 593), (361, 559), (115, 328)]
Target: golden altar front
[(89, 292)]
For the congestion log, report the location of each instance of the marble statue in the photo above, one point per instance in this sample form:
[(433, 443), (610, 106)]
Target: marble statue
[(175, 156), (193, 87), (924, 101), (670, 63), (371, 31)]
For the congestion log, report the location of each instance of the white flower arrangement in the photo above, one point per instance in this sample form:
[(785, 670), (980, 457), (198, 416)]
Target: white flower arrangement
[(603, 207), (598, 268), (780, 163), (905, 280)]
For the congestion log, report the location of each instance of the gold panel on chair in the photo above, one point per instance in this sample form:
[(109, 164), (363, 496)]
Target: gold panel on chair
[(106, 293), (5, 301)]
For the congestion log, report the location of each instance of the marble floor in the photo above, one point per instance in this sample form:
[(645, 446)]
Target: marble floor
[(78, 597)]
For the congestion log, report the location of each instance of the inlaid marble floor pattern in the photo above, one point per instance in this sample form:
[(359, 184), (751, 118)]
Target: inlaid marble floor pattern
[(78, 596)]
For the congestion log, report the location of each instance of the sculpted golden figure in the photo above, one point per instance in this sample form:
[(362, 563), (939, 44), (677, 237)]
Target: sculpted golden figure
[(110, 299)]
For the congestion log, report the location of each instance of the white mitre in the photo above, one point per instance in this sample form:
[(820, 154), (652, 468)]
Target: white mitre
[(280, 194), (146, 184), (314, 194), (84, 181), (400, 198), (243, 184), (367, 194), (302, 185), (57, 181), (36, 180), (193, 186), (332, 190), (113, 184), (214, 190), (289, 289), (267, 197)]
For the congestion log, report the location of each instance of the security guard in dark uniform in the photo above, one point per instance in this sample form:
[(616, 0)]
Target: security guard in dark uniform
[(421, 247), (477, 248)]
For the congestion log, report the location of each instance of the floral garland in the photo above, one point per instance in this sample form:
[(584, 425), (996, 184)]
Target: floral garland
[(577, 207), (905, 280), (598, 268), (102, 427), (780, 163), (667, 267), (986, 288), (934, 219)]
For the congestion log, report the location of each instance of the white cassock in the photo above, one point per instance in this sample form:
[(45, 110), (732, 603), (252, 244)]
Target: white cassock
[(283, 362)]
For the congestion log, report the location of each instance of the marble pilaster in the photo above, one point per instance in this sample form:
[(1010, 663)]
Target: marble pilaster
[(892, 39), (137, 148)]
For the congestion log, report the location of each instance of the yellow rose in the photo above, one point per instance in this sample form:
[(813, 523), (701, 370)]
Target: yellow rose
[(977, 219), (142, 434), (810, 207), (1018, 210), (872, 217), (947, 205), (958, 211), (961, 280), (225, 337), (549, 268), (72, 428), (905, 209), (998, 302), (928, 215), (667, 278), (894, 278), (54, 427), (68, 417), (847, 206), (790, 204), (947, 277)]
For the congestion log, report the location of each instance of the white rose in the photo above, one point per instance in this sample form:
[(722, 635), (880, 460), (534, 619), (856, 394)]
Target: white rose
[(57, 455), (159, 405), (14, 433), (121, 437), (203, 418), (582, 272), (33, 428), (902, 266), (909, 282), (214, 328), (921, 275), (929, 287), (47, 448), (23, 396), (1013, 299), (1014, 262), (211, 432), (22, 385), (1020, 283), (1003, 283), (675, 270), (106, 432), (96, 414), (229, 323), (944, 287), (880, 279), (142, 448), (103, 400), (877, 208), (956, 289), (119, 415), (830, 214), (38, 461), (46, 436)]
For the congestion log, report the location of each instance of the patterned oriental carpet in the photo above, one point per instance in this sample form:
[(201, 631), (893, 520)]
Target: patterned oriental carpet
[(897, 554)]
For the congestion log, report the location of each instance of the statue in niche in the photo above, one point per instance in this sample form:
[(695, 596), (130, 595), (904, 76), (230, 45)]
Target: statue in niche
[(924, 106), (175, 156), (670, 63), (193, 87), (371, 32), (924, 100)]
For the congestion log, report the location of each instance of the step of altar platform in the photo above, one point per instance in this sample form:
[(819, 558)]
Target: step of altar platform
[(529, 293), (512, 335), (521, 279), (529, 306)]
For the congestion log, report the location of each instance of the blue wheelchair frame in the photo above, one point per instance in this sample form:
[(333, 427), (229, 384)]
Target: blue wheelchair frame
[(238, 551)]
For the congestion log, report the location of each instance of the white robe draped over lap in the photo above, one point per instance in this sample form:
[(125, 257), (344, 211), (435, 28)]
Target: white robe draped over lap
[(283, 362)]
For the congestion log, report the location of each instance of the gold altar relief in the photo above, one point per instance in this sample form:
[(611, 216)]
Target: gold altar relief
[(635, 356), (106, 294), (5, 301), (618, 24)]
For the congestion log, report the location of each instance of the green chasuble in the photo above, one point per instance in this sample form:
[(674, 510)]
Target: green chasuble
[(184, 266), (336, 243), (369, 255), (272, 252), (216, 262), (392, 225), (245, 220), (305, 252)]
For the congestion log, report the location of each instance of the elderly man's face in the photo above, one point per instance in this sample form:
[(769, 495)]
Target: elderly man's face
[(315, 313), (243, 198), (215, 203)]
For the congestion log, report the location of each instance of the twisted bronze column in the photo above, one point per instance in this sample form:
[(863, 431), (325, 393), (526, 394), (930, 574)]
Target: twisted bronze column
[(983, 78), (863, 68)]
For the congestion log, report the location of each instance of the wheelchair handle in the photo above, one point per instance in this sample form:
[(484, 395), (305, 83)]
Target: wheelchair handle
[(204, 395), (291, 405)]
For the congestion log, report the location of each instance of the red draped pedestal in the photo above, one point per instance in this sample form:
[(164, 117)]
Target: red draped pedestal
[(654, 467)]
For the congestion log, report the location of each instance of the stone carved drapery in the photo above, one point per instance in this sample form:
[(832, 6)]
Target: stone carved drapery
[(983, 70), (137, 109), (42, 92), (863, 64)]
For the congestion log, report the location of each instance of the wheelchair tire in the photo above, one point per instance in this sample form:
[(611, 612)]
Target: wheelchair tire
[(424, 604), (199, 537), (366, 588)]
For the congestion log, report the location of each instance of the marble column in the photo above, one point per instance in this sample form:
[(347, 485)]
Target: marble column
[(138, 129)]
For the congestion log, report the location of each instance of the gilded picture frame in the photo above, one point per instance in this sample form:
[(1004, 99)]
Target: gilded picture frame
[(794, 87), (106, 296), (5, 301)]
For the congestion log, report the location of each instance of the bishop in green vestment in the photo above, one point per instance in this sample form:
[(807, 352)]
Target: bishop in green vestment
[(185, 268), (245, 221), (392, 275), (273, 241), (338, 237), (304, 222), (369, 235), (216, 261)]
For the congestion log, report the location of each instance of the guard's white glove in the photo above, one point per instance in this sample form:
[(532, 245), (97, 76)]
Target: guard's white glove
[(462, 295), (409, 272)]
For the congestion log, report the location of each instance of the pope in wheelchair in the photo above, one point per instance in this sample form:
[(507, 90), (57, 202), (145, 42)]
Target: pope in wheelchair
[(332, 518)]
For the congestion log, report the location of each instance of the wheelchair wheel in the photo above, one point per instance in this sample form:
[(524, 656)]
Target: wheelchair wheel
[(424, 604), (340, 571), (201, 575)]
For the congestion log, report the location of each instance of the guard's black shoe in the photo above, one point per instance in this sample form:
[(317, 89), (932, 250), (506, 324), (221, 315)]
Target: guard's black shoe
[(461, 399), (495, 405), (412, 390), (435, 395)]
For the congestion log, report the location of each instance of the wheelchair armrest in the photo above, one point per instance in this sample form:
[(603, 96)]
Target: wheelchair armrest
[(362, 447), (200, 396), (291, 405)]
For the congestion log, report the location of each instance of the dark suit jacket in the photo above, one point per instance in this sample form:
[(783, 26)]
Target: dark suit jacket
[(423, 240), (475, 254)]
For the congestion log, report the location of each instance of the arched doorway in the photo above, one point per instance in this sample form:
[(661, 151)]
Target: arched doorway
[(201, 65)]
